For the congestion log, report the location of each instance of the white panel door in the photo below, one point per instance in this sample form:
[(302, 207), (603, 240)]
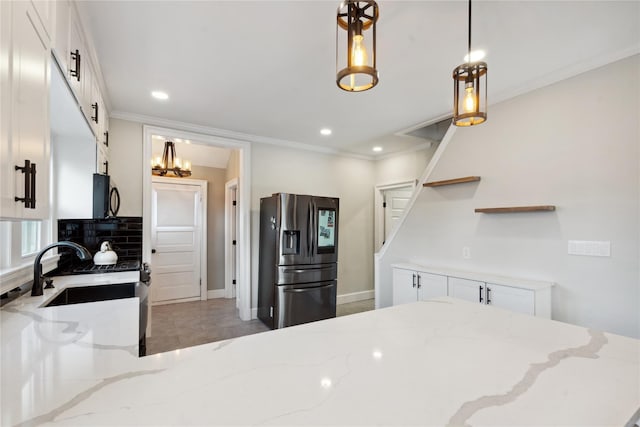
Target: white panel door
[(396, 201), (176, 239), (514, 299), (404, 286), (470, 290)]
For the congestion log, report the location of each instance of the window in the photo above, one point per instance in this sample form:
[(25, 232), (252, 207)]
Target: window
[(20, 241), (31, 238)]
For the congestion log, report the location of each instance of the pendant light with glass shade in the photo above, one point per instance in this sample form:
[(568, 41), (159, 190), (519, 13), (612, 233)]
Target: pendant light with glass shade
[(470, 90), (356, 65)]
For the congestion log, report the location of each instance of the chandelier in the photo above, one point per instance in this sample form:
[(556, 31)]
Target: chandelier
[(170, 164)]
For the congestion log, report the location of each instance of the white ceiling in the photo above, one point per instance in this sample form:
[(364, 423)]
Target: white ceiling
[(267, 68)]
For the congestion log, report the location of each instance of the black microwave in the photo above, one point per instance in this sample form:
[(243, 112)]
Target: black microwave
[(106, 199)]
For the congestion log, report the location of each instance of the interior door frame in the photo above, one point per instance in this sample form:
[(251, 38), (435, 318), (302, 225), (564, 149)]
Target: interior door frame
[(229, 187), (243, 287), (378, 211), (202, 184)]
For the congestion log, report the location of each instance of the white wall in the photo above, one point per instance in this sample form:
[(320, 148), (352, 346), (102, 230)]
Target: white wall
[(574, 144), (74, 163), (215, 178), (403, 167), (125, 158), (286, 170)]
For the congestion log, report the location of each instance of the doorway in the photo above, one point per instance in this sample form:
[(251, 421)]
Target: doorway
[(178, 251), (231, 238), (390, 203), (243, 197)]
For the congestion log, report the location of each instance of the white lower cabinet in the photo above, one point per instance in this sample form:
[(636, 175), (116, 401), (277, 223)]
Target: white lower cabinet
[(413, 285), (508, 297), (519, 295)]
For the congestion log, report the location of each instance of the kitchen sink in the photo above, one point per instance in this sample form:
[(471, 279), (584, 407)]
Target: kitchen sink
[(82, 294)]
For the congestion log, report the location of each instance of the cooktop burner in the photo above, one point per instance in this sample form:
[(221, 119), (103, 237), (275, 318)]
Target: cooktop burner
[(90, 267)]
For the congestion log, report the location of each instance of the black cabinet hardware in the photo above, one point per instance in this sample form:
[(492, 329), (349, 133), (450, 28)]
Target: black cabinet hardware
[(33, 187), (153, 251), (106, 138), (106, 167), (488, 295), (26, 170), (414, 280), (29, 171), (75, 72), (419, 286), (94, 107), (480, 293)]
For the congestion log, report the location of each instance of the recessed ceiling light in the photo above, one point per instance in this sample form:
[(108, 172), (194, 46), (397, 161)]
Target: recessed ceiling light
[(325, 131), (377, 149), (158, 94), (476, 55)]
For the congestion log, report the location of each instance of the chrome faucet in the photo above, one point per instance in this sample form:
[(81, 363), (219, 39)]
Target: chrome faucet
[(82, 252)]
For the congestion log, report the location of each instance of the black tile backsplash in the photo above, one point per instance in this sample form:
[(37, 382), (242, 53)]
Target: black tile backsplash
[(124, 233)]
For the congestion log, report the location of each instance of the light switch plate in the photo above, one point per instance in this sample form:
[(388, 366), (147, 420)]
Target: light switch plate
[(589, 248)]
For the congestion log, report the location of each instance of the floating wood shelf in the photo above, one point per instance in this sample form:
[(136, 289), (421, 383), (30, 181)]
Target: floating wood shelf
[(515, 209), (451, 181)]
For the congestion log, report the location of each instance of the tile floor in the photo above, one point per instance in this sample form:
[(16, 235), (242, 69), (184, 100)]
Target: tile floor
[(200, 322)]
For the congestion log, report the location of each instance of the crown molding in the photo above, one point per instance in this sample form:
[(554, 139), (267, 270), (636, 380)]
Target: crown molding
[(228, 134)]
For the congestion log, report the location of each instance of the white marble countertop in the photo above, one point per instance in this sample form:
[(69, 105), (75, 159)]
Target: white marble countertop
[(440, 362)]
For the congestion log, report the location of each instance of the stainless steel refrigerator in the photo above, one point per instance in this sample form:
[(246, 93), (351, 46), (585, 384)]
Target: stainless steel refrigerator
[(298, 259)]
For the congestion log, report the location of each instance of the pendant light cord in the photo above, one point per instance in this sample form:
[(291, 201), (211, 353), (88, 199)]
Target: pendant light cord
[(469, 53)]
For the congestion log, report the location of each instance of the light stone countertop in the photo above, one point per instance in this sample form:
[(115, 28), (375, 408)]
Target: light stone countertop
[(439, 362)]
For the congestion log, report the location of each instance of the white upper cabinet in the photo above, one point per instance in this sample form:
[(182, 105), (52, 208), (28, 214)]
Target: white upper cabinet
[(73, 53), (61, 49), (24, 131)]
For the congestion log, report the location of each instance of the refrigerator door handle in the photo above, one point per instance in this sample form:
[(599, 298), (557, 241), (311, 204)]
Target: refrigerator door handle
[(313, 288), (309, 229), (305, 270)]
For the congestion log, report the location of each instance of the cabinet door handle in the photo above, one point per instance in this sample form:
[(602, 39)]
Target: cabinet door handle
[(33, 186), (106, 167), (414, 280), (75, 57), (94, 106), (106, 138), (419, 281), (26, 170), (488, 295), (480, 292)]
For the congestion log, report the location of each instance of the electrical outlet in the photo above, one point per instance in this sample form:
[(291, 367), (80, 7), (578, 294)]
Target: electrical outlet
[(466, 252), (589, 248)]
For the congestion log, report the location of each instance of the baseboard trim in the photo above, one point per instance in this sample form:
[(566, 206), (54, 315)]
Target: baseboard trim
[(254, 313), (215, 293), (355, 296)]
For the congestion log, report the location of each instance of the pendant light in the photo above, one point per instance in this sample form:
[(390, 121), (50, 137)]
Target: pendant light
[(470, 90), (170, 164), (356, 66)]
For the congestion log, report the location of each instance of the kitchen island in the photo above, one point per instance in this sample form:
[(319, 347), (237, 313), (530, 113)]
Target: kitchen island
[(439, 362)]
